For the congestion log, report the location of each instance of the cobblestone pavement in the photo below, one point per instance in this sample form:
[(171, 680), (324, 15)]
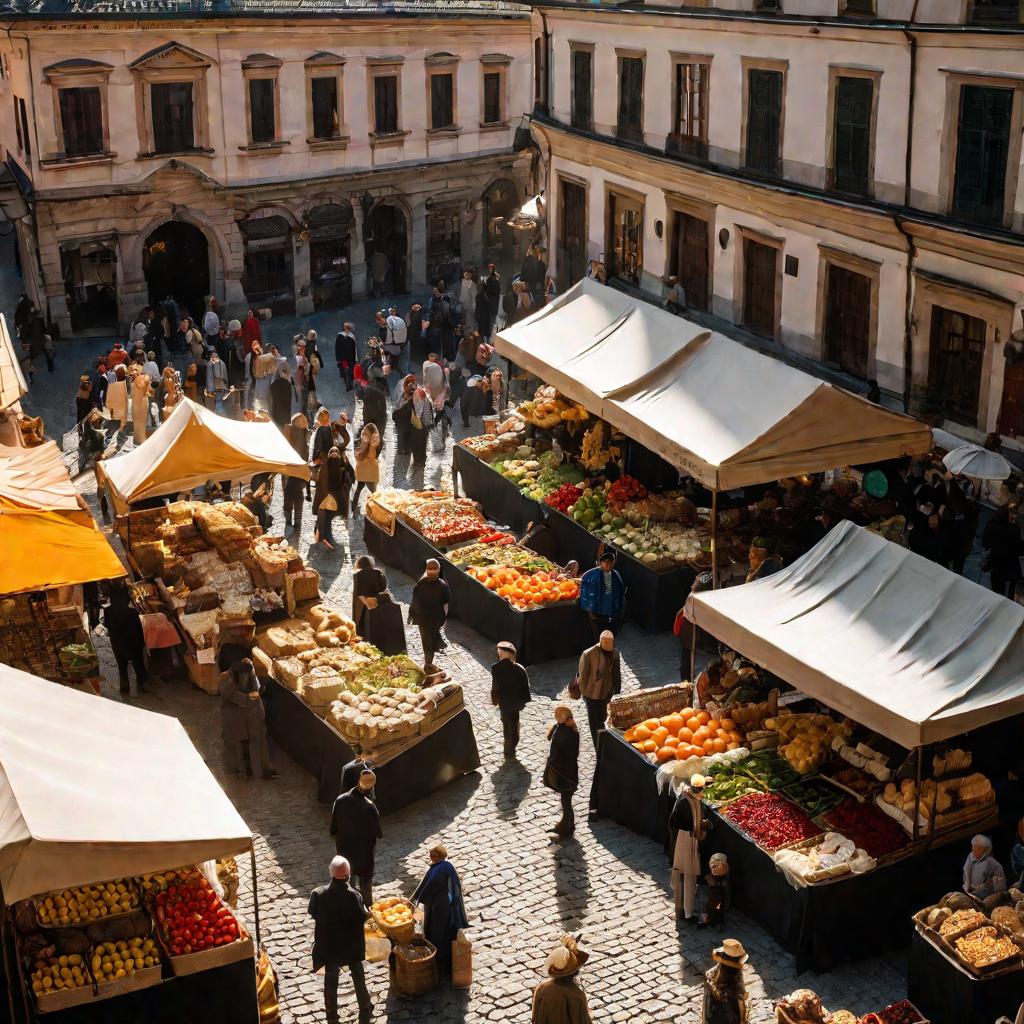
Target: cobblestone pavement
[(522, 891)]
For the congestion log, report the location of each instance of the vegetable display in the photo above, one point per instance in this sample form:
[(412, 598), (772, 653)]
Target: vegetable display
[(902, 1012), (814, 796), (868, 827), (625, 489), (564, 497), (771, 820), (192, 917)]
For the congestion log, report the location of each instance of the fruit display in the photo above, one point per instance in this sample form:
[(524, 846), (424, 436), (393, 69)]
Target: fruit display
[(770, 770), (150, 885), (538, 474), (814, 796), (548, 408), (192, 917), (502, 554), (393, 911), (682, 735), (805, 739), (868, 827), (901, 1012), (597, 450), (526, 590), (727, 781), (771, 820), (985, 947), (58, 973), (86, 903), (113, 960), (564, 497), (590, 507), (393, 713), (668, 507), (625, 489)]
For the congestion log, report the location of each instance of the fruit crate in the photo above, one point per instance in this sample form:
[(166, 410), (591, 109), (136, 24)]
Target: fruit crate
[(37, 900), (146, 977), (53, 1001), (206, 959)]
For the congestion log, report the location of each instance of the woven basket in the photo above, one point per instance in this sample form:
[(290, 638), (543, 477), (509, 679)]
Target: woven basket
[(630, 709), (402, 933), (415, 977)]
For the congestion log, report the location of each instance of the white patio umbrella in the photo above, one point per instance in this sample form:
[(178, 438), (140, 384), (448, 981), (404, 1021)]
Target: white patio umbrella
[(977, 462)]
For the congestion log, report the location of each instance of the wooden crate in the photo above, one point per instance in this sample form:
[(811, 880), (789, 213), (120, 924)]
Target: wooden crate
[(147, 977), (207, 959), (205, 676)]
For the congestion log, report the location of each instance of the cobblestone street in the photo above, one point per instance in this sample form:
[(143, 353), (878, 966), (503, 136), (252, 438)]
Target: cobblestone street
[(522, 891)]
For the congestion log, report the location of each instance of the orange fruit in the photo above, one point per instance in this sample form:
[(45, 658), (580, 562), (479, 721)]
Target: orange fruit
[(719, 744), (685, 735), (638, 746), (735, 737), (701, 734), (672, 741), (709, 746), (713, 725), (663, 754), (703, 717), (693, 723), (652, 724), (629, 735), (732, 746), (672, 722), (650, 746), (641, 732), (728, 724), (660, 735)]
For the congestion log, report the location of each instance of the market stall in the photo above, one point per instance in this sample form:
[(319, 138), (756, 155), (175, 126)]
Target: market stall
[(93, 871), (498, 588)]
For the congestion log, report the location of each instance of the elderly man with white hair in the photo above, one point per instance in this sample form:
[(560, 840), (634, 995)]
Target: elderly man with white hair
[(983, 874), (338, 938)]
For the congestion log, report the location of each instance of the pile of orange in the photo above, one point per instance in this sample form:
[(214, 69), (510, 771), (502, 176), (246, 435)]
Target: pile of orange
[(684, 734), (526, 590)]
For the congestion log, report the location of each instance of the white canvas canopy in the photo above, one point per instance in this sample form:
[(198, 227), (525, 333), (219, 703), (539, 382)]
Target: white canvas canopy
[(714, 408), (194, 445), (12, 380), (894, 641), (92, 790)]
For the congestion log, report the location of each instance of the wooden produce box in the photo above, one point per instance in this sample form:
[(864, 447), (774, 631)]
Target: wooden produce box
[(64, 999), (207, 959), (147, 977), (205, 675)]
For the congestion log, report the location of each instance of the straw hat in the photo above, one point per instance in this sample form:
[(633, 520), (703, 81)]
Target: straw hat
[(730, 953), (697, 781), (566, 958)]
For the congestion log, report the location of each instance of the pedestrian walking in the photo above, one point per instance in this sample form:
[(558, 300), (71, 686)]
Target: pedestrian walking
[(345, 353), (725, 994), (151, 367), (339, 939), (251, 331), (142, 392), (1002, 541), (350, 775), (396, 343), (375, 404), (190, 386), (401, 416), (561, 773), (355, 825), (416, 336), (510, 693), (211, 325), (603, 595), (367, 461), (428, 610), (124, 627), (688, 827), (251, 705), (600, 679), (691, 637), (323, 437), (340, 431), (298, 438), (468, 291), (233, 729), (281, 394), (333, 487), (49, 350), (560, 999), (380, 619), (83, 401), (444, 913), (217, 390), (117, 398), (380, 265)]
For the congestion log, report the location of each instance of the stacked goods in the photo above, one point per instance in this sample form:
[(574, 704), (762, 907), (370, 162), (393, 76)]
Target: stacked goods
[(820, 860), (447, 520), (726, 781), (369, 721), (864, 756), (960, 922), (333, 629), (227, 528), (288, 638), (564, 497), (814, 796), (769, 770), (489, 445), (56, 974), (591, 507), (771, 820), (805, 739), (538, 475), (941, 804), (868, 827), (32, 636), (986, 947), (548, 409), (394, 917), (150, 885), (86, 903), (192, 917), (624, 490), (853, 780), (682, 735), (112, 961), (498, 549), (670, 507), (525, 590), (949, 761), (597, 450)]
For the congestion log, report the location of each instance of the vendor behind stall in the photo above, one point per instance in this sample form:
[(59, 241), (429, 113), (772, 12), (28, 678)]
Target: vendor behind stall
[(983, 874), (603, 595)]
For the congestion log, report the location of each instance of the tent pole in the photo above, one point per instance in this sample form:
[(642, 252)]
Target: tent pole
[(255, 895), (917, 784), (714, 539)]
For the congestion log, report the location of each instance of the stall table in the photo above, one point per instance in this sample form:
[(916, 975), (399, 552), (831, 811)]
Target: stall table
[(653, 597), (947, 993), (540, 634), (437, 759)]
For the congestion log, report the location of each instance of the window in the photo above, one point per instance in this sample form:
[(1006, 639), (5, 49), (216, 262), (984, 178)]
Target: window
[(538, 72), (493, 112), (995, 10), (956, 354), (26, 137), (81, 121), (572, 231), (442, 89), (852, 134), (859, 7), (385, 104), (630, 122), (324, 96), (261, 109), (172, 117), (582, 112), (764, 120), (690, 109), (983, 146)]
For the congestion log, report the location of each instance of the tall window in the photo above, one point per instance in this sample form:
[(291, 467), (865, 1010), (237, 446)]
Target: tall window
[(764, 120), (385, 104), (538, 72), (851, 166), (442, 100), (630, 122), (173, 130), (81, 120), (493, 112), (582, 89), (262, 126), (324, 96), (23, 111), (690, 110), (983, 146)]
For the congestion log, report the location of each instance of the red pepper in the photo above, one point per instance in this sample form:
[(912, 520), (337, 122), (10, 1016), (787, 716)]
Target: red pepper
[(771, 820)]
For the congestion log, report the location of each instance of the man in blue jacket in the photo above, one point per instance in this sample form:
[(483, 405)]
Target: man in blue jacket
[(603, 595)]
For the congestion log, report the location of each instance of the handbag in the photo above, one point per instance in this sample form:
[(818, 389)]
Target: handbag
[(574, 689), (417, 423), (330, 503)]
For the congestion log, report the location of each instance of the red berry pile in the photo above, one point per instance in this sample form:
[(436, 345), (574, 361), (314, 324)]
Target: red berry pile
[(193, 917), (564, 496), (626, 488), (903, 1012), (771, 820), (871, 829)]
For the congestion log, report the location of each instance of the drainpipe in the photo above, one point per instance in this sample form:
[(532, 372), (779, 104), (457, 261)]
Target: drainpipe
[(544, 100)]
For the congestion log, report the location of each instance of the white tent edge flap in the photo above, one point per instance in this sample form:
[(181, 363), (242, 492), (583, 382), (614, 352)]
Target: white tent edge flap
[(92, 790), (896, 642)]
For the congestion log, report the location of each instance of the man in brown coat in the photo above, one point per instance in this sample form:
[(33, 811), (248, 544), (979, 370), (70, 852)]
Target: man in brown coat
[(559, 999), (600, 678)]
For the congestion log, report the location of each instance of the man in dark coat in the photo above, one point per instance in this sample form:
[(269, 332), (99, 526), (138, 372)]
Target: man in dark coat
[(351, 772), (241, 689), (126, 639), (355, 825), (375, 405), (562, 773), (345, 353), (510, 693), (492, 289), (429, 610), (339, 940)]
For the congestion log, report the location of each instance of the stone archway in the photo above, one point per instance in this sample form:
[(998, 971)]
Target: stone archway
[(386, 237), (176, 264)]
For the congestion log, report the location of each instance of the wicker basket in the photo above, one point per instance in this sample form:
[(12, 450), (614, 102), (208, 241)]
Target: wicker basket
[(402, 933), (629, 709), (415, 977)]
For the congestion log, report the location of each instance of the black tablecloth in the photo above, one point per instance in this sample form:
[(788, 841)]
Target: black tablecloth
[(654, 597), (947, 994), (541, 634), (822, 926), (435, 761)]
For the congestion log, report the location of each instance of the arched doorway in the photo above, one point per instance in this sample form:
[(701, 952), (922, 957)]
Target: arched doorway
[(176, 263), (269, 278), (385, 234), (330, 270), (501, 200)]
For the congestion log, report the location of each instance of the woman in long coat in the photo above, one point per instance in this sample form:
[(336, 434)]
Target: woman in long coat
[(689, 825), (117, 398), (440, 893), (367, 462), (561, 773), (377, 617), (142, 391), (725, 994), (333, 486)]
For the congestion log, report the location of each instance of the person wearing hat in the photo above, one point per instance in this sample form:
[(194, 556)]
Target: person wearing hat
[(561, 773), (339, 939), (510, 693), (689, 826), (600, 678), (444, 913), (603, 594), (240, 687), (560, 999), (428, 610), (983, 874), (345, 352), (355, 825), (725, 994)]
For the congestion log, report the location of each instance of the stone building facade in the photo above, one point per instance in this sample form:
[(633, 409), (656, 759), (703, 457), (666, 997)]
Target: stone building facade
[(258, 153), (834, 181)]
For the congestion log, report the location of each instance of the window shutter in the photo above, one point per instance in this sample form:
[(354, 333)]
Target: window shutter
[(853, 134), (325, 108), (582, 87), (492, 97), (631, 83), (441, 113), (983, 145), (385, 98), (764, 112), (261, 109)]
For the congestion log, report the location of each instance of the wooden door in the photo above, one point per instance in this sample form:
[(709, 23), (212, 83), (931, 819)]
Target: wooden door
[(955, 357), (572, 233), (760, 265), (848, 320), (691, 263), (625, 238)]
